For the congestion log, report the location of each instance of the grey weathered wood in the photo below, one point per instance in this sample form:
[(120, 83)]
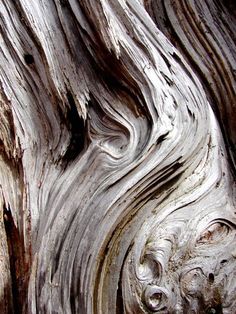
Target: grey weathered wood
[(117, 193), (205, 34)]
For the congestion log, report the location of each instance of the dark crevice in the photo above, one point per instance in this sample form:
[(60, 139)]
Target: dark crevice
[(29, 59), (211, 278), (77, 127), (161, 138), (166, 60), (64, 3), (18, 267), (119, 302), (215, 309), (167, 79)]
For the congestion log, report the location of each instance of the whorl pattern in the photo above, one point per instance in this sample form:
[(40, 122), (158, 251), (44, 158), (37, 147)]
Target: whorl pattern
[(113, 170)]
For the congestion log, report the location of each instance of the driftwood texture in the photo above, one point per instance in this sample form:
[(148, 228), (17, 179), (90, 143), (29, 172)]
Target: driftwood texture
[(117, 190)]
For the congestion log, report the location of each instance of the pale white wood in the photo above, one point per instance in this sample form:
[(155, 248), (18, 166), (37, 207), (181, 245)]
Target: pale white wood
[(113, 168)]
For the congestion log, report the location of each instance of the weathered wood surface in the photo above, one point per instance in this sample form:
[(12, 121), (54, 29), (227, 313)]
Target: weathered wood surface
[(205, 32), (117, 190)]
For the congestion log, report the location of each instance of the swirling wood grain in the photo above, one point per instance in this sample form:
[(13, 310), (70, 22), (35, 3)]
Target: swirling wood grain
[(116, 188)]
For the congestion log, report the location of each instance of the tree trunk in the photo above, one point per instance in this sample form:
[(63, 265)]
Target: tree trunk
[(117, 188)]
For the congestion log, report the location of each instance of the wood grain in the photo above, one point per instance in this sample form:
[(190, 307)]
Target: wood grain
[(117, 186)]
